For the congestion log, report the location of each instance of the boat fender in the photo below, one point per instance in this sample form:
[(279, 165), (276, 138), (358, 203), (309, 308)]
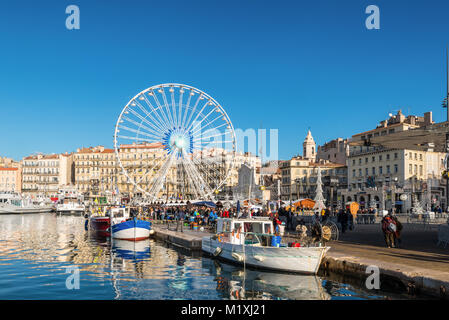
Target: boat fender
[(237, 257), (217, 251), (152, 231), (259, 258)]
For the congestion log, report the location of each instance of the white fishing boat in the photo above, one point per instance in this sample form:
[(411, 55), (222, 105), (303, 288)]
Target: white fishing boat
[(252, 242), (70, 202), (14, 203)]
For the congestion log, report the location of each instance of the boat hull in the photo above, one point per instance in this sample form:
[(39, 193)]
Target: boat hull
[(100, 225), (19, 210), (70, 211), (305, 260), (133, 230)]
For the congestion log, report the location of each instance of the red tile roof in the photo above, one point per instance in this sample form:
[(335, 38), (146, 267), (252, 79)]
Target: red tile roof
[(8, 169)]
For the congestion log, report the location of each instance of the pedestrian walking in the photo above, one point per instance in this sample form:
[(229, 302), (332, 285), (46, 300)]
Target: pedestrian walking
[(389, 229), (397, 234)]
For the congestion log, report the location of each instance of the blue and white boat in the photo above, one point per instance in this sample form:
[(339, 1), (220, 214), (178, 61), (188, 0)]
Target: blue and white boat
[(124, 227)]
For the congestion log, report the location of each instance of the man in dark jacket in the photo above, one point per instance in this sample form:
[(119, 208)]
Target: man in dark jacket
[(389, 228)]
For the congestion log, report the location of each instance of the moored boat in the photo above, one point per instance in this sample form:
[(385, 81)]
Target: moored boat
[(123, 226), (131, 229), (70, 202), (11, 202), (253, 242)]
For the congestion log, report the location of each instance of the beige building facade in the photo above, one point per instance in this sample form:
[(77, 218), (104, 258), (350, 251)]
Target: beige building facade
[(43, 175), (10, 179), (394, 178), (98, 174)]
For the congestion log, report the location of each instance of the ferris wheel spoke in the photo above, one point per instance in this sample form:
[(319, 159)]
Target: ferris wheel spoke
[(196, 185), (193, 109), (181, 93), (208, 137), (148, 114), (161, 109), (158, 162), (194, 170), (210, 177), (167, 106), (161, 122), (199, 113), (160, 176), (173, 105), (139, 116), (156, 138), (208, 124), (203, 119), (187, 109), (140, 125), (135, 138), (211, 143)]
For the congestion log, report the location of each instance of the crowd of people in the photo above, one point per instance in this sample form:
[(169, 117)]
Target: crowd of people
[(204, 216)]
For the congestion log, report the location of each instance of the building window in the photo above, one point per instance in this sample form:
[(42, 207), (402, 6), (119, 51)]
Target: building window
[(395, 168), (374, 171), (380, 158), (420, 170), (380, 170), (388, 169), (410, 169), (373, 159), (353, 173), (388, 156), (395, 155), (366, 171), (360, 172)]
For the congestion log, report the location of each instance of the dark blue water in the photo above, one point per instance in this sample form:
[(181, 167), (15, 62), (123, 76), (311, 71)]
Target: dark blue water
[(45, 256)]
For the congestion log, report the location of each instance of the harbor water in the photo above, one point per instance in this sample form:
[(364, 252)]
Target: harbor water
[(46, 257)]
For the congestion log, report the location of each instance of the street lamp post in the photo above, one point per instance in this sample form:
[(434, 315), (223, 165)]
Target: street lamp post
[(446, 105)]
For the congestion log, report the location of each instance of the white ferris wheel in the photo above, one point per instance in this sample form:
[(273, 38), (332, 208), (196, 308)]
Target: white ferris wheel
[(192, 139)]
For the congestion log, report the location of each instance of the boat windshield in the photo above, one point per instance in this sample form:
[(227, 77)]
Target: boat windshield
[(255, 227), (252, 239)]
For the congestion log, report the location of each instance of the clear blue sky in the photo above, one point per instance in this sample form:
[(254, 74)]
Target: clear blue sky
[(286, 65)]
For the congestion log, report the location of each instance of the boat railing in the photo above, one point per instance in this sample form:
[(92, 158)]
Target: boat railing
[(261, 238), (264, 239)]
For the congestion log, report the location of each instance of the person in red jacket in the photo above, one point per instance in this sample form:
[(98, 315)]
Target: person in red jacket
[(276, 223)]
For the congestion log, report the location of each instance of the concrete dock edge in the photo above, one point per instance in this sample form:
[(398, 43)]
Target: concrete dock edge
[(428, 282)]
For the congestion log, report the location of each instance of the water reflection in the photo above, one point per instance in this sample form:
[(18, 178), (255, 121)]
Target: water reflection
[(35, 250), (234, 283)]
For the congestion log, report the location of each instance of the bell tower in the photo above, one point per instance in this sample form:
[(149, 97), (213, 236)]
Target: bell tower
[(309, 147)]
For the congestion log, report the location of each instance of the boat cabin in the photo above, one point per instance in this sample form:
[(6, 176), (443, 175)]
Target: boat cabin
[(10, 198), (253, 231), (119, 214)]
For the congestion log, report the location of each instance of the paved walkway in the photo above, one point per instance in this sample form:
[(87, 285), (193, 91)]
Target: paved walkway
[(418, 260)]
